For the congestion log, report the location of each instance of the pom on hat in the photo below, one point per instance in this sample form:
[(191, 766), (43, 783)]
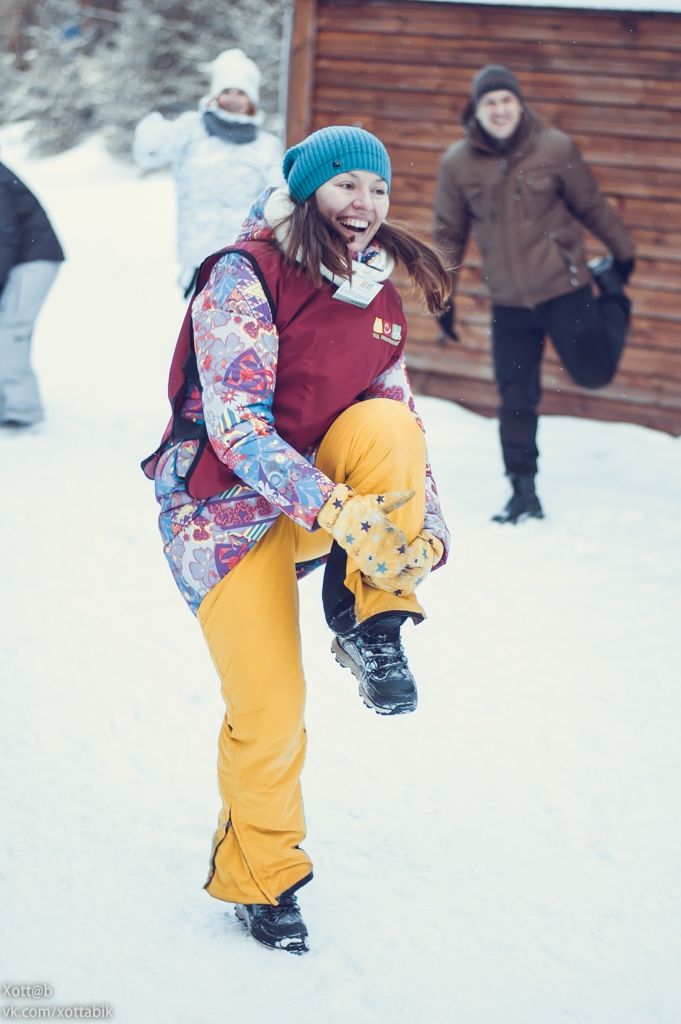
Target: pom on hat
[(491, 77), (332, 151), (232, 69)]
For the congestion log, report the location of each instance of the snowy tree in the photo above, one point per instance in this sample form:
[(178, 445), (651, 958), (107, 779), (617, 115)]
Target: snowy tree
[(7, 76), (158, 57), (72, 69), (54, 91)]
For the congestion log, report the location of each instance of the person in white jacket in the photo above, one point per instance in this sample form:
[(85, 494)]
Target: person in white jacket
[(220, 156)]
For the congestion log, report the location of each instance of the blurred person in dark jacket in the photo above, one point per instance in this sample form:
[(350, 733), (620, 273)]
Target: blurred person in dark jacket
[(524, 190), (30, 255)]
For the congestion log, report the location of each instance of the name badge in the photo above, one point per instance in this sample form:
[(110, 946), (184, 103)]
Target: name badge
[(361, 292)]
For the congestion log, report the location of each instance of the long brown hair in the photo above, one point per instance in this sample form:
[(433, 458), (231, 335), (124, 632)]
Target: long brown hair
[(313, 240)]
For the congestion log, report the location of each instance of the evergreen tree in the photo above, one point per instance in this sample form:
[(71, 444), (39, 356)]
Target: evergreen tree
[(54, 92), (7, 78), (77, 73), (159, 52)]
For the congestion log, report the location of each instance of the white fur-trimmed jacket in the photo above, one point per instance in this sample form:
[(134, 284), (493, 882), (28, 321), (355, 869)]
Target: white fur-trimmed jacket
[(216, 180)]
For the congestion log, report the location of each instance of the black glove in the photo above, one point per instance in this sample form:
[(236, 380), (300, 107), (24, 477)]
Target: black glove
[(446, 322), (624, 268)]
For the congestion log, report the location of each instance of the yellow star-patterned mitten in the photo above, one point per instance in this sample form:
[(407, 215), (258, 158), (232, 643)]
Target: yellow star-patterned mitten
[(360, 523)]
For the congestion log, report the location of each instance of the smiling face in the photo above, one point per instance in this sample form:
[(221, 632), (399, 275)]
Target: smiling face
[(499, 113), (356, 203), (235, 101)]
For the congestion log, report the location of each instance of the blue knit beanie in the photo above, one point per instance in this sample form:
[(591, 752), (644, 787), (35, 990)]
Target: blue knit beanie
[(329, 152)]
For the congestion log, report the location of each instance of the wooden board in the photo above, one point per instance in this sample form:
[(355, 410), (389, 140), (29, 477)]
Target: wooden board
[(611, 79)]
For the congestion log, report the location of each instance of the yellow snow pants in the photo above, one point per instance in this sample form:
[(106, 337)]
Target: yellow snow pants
[(250, 622)]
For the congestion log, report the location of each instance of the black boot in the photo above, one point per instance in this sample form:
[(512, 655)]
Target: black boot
[(280, 927), (373, 653), (523, 503)]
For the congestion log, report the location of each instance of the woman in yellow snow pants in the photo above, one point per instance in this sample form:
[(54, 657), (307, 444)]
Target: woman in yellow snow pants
[(294, 438), (250, 621)]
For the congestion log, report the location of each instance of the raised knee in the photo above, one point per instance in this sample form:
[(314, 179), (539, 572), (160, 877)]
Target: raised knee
[(593, 381), (388, 416), (378, 432)]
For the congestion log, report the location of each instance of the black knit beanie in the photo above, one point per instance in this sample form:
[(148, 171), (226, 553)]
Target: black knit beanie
[(494, 76)]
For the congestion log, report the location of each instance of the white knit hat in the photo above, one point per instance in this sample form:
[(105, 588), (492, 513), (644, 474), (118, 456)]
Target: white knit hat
[(232, 69)]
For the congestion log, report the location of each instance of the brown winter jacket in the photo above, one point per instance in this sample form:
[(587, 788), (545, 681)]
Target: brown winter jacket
[(524, 206)]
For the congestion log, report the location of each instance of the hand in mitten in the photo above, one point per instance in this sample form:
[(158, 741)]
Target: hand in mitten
[(446, 323), (150, 134), (360, 524), (381, 551), (421, 555)]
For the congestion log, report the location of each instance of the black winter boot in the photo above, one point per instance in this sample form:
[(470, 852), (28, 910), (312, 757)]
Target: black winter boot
[(523, 503), (373, 653), (280, 927)]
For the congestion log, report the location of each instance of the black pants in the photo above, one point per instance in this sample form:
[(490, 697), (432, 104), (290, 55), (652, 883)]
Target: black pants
[(339, 602), (589, 335)]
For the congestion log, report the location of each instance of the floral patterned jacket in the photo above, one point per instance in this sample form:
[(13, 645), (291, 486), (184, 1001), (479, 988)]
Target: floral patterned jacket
[(204, 539)]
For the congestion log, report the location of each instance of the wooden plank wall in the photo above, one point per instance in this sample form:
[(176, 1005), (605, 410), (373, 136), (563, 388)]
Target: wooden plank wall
[(610, 79)]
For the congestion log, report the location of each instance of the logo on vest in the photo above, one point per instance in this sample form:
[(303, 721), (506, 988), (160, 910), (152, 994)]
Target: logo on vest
[(384, 330)]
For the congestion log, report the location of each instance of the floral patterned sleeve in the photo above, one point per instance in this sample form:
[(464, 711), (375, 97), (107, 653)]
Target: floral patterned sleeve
[(394, 383), (236, 352)]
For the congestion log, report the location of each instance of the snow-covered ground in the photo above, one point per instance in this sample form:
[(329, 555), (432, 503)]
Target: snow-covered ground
[(507, 855)]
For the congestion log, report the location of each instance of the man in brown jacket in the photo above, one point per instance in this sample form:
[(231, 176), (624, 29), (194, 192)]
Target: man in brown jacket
[(524, 190)]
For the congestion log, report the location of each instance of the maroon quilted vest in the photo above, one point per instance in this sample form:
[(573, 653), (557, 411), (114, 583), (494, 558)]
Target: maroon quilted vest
[(329, 353)]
